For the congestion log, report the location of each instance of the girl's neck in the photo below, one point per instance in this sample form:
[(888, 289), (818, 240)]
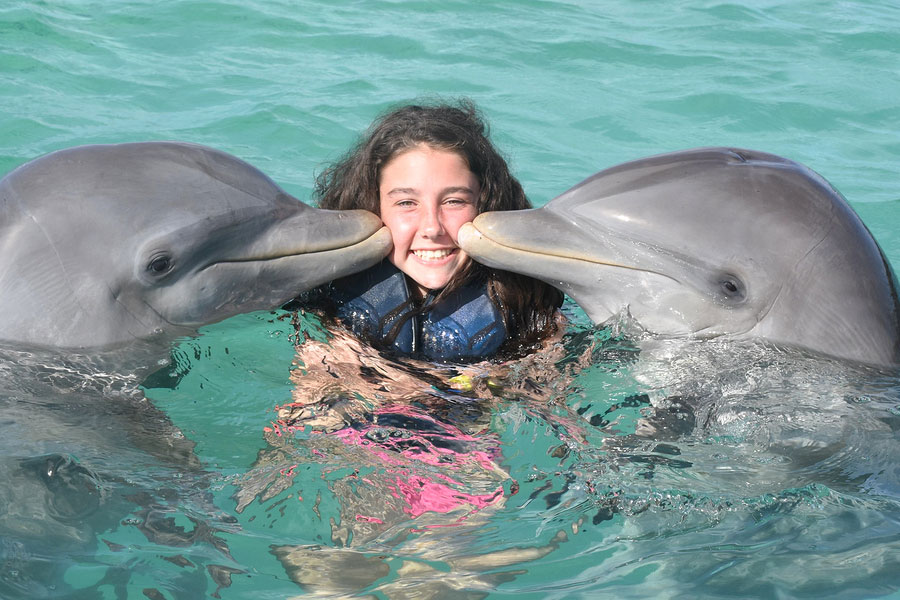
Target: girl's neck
[(417, 293)]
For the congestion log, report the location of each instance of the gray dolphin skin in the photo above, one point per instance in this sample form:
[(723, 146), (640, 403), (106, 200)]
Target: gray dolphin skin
[(104, 244), (709, 242)]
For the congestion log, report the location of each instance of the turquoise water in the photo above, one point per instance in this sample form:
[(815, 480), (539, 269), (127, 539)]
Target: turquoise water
[(791, 489)]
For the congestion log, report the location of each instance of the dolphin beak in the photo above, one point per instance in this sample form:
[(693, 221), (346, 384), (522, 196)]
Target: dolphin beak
[(312, 246), (335, 242), (291, 255), (314, 230), (517, 240)]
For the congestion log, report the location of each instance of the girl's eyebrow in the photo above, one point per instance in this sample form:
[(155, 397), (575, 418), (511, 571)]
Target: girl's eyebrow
[(460, 189), (402, 191)]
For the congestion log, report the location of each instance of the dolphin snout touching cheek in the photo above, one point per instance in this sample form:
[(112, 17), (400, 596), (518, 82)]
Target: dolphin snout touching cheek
[(102, 245), (709, 242)]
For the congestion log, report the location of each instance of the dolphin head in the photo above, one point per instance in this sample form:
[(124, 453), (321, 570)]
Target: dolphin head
[(105, 244), (709, 242)]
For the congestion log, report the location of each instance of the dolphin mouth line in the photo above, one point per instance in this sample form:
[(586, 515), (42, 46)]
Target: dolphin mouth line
[(251, 259), (273, 257), (583, 259)]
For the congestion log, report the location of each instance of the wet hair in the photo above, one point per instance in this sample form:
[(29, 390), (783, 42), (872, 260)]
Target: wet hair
[(528, 305)]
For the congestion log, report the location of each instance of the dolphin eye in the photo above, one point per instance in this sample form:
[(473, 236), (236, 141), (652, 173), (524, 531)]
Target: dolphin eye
[(160, 264), (731, 288)]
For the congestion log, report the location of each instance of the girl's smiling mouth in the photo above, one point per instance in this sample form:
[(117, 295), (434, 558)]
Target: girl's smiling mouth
[(433, 255)]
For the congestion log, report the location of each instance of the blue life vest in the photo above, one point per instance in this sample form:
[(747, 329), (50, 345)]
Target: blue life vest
[(464, 326)]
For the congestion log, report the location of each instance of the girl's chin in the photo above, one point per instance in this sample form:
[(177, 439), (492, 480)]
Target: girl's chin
[(430, 281), (430, 285)]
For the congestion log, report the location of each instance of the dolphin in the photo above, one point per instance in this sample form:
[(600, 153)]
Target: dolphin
[(104, 244), (709, 242)]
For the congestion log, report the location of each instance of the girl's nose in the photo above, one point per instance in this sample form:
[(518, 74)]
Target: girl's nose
[(430, 224)]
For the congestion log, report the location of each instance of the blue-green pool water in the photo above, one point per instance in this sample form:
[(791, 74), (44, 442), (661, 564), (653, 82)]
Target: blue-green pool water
[(792, 489)]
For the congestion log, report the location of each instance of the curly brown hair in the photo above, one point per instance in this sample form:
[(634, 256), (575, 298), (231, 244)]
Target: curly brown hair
[(528, 306)]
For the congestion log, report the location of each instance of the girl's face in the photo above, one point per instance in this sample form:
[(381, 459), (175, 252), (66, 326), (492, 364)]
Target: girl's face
[(425, 195)]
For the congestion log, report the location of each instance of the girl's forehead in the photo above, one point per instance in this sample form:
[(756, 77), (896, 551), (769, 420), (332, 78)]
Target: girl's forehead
[(426, 148)]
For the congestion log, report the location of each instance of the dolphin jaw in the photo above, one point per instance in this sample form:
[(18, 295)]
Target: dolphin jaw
[(470, 236), (675, 307), (263, 283), (380, 242)]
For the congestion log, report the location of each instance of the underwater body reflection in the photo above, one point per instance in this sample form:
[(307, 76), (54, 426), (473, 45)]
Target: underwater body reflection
[(410, 453), (604, 459), (608, 461)]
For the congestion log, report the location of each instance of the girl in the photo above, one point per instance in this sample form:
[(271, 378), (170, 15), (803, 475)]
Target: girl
[(426, 170)]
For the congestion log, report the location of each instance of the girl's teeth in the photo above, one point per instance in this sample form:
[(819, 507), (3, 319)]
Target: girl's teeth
[(431, 254)]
